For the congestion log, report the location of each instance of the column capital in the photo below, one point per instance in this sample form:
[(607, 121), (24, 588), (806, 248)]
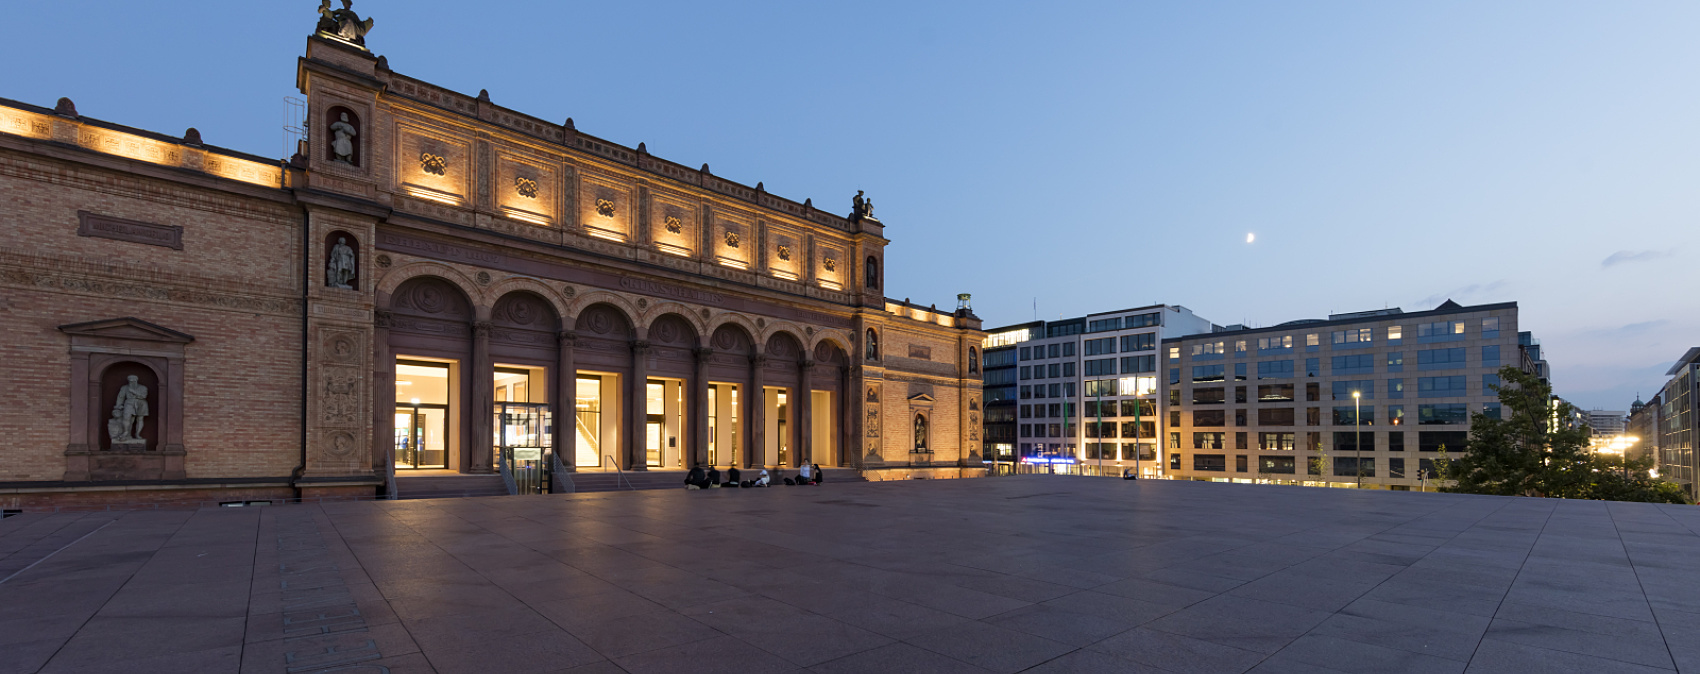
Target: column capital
[(383, 320), (566, 336), (640, 345), (703, 353), (481, 328), (758, 359), (806, 363)]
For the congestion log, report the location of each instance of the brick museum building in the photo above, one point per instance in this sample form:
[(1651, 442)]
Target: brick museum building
[(437, 285)]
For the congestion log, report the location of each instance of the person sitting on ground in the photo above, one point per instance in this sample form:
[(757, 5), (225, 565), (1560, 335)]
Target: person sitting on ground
[(732, 478), (713, 477), (1128, 474), (696, 479), (803, 474), (820, 475), (762, 480)]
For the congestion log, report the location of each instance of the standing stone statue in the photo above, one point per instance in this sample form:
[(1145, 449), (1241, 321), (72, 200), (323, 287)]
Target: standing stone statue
[(115, 429), (920, 433), (342, 140), (861, 207), (339, 272), (131, 409), (343, 23)]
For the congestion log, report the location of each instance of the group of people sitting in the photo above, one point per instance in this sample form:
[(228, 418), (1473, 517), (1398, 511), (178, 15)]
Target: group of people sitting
[(699, 478)]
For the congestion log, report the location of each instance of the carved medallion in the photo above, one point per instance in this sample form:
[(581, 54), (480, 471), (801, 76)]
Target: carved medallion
[(483, 278), (831, 264), (667, 331), (600, 323), (605, 208), (873, 395), (732, 239), (674, 225), (785, 253), (568, 291), (341, 348), (643, 303), (433, 164), (384, 262), (526, 187), (724, 340), (340, 444)]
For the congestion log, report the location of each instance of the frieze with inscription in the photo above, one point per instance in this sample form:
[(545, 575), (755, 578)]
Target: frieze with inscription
[(119, 229)]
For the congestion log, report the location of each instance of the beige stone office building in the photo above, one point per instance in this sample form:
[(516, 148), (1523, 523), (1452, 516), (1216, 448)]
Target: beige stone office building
[(1316, 401), (432, 280)]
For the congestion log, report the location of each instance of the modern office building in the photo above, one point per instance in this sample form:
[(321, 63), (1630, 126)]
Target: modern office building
[(1316, 401), (999, 368), (1086, 389), (1643, 425), (1676, 460), (1607, 423)]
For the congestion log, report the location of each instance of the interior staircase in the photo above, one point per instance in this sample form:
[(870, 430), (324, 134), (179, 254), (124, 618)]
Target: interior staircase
[(450, 486)]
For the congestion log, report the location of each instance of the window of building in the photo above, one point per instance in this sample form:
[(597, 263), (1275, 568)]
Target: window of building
[(1277, 416), (1239, 395), (1344, 388), (1174, 353), (1442, 331), (1357, 364), (1490, 326), (1443, 414), (1055, 370), (1027, 353), (1349, 466), (1026, 372), (1026, 412), (1101, 367), (1343, 415), (1208, 418), (1313, 367), (1239, 371), (1055, 390), (1068, 349), (1275, 393), (1208, 395), (1139, 408), (1396, 467), (1174, 397), (1313, 391), (1352, 337), (1026, 392), (1313, 441), (1208, 373), (1239, 418), (1440, 387), (1440, 359), (1133, 364), (1139, 429), (1313, 416), (999, 377), (1395, 415), (1239, 348), (1175, 443), (1068, 368), (1056, 411), (1027, 430), (1490, 384), (1395, 334), (1174, 418), (1492, 410), (1395, 388), (1275, 369), (1277, 465), (1054, 350), (1268, 343), (1210, 462), (1240, 459), (1174, 375), (1271, 442), (1098, 347), (1396, 361), (1216, 349), (1137, 386), (1490, 355), (1313, 339), (1144, 342), (1455, 442), (1068, 389), (1396, 442), (999, 359), (1141, 321), (1104, 325)]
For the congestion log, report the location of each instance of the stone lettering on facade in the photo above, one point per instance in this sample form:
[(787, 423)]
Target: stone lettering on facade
[(656, 288), (440, 250), (106, 227)]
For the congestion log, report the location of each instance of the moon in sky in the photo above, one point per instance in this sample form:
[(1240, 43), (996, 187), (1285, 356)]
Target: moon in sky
[(1250, 237)]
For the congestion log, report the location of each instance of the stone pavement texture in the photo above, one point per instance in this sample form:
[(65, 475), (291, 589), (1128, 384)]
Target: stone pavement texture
[(1009, 574)]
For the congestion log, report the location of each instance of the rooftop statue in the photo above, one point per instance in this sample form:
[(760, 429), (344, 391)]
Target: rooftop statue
[(861, 207), (343, 23)]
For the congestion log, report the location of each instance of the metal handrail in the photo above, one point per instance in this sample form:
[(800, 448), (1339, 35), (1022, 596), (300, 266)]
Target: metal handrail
[(507, 474), (619, 474), (560, 470)]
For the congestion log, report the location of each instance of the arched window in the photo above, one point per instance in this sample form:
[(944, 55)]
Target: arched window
[(973, 360), (342, 136), (873, 345), (872, 279), (920, 432)]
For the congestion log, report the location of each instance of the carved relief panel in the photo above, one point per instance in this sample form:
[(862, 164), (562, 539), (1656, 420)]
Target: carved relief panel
[(605, 206), (784, 253), (734, 241), (673, 225), (829, 264), (338, 398), (433, 165), (526, 190)]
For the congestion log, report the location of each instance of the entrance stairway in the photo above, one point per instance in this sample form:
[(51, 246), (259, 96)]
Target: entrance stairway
[(585, 482), (450, 486)]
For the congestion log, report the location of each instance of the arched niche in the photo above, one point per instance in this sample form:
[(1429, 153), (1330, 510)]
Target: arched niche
[(672, 340), (604, 338), (871, 272), (342, 260), (344, 136), (104, 354), (524, 326), (871, 345)]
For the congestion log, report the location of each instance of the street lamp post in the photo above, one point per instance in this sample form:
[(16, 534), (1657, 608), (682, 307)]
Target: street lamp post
[(1358, 441)]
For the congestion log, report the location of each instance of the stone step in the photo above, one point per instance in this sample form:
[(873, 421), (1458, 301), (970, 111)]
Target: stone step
[(453, 486)]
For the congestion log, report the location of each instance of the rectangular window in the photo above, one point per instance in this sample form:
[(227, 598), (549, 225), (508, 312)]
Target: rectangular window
[(1396, 361), (1239, 371), (1133, 364), (1440, 359), (1239, 459), (1209, 418), (1208, 373), (1239, 395), (1275, 369), (1026, 392), (1395, 334), (1395, 388), (1026, 412), (1210, 462), (1313, 340), (1208, 396), (1343, 415), (1353, 337), (1139, 429), (1455, 442), (1027, 430), (999, 359), (1445, 414), (1098, 347), (1313, 367), (1440, 387), (1442, 331), (1351, 466), (1269, 343), (1174, 353), (1056, 411), (1275, 393), (1053, 349), (1175, 443), (1313, 441), (1174, 375), (1056, 370), (1137, 386), (1038, 390), (1396, 441), (1343, 389), (1054, 390), (1026, 372), (1278, 416), (1492, 410), (1313, 416), (1362, 363), (1313, 391), (1139, 408), (1145, 342), (1207, 440), (1490, 356), (1239, 348), (1101, 367), (1068, 389), (1344, 441), (1068, 368), (1068, 349), (1490, 384), (1490, 327), (1027, 353), (1276, 465), (1396, 467), (1239, 418), (1142, 321), (1104, 325), (1174, 417), (999, 377), (1271, 442), (1395, 415), (1174, 397)]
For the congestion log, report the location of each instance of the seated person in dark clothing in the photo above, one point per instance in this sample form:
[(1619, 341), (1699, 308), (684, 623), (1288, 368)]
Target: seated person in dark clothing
[(713, 477), (732, 477), (696, 478), (819, 476)]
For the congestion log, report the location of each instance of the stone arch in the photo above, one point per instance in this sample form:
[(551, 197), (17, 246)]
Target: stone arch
[(836, 338), (743, 323), (585, 300), (733, 337), (795, 332), (552, 296), (673, 329), (659, 309), (782, 345), (828, 352), (434, 296), (604, 320), (396, 277)]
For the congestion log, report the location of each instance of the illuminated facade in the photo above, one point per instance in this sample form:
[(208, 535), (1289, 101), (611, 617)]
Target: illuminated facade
[(1311, 401), (1082, 394), (1675, 422), (437, 282)]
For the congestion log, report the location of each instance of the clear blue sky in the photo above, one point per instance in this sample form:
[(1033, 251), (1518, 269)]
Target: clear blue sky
[(1086, 155)]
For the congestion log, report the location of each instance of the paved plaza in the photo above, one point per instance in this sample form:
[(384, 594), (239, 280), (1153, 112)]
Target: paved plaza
[(1011, 574)]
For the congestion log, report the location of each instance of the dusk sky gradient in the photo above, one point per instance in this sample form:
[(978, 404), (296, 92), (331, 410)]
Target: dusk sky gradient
[(1088, 156)]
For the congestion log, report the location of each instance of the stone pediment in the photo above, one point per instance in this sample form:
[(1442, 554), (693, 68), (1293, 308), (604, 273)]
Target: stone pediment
[(126, 328), (921, 398)]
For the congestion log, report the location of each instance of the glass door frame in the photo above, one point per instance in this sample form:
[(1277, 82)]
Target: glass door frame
[(416, 434)]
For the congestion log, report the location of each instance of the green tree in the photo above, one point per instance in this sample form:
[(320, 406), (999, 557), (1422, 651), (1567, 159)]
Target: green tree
[(1524, 452)]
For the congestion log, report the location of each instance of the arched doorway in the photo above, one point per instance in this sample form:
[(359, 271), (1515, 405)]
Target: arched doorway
[(785, 408), (430, 337), (668, 402), (729, 376), (828, 381), (524, 351), (603, 357)]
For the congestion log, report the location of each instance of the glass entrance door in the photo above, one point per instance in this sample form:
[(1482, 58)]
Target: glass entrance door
[(419, 437), (523, 436)]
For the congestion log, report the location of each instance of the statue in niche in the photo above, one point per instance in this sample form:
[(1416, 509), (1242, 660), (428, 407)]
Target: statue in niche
[(920, 432), (343, 24), (131, 410), (342, 140), (873, 345), (339, 272)]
